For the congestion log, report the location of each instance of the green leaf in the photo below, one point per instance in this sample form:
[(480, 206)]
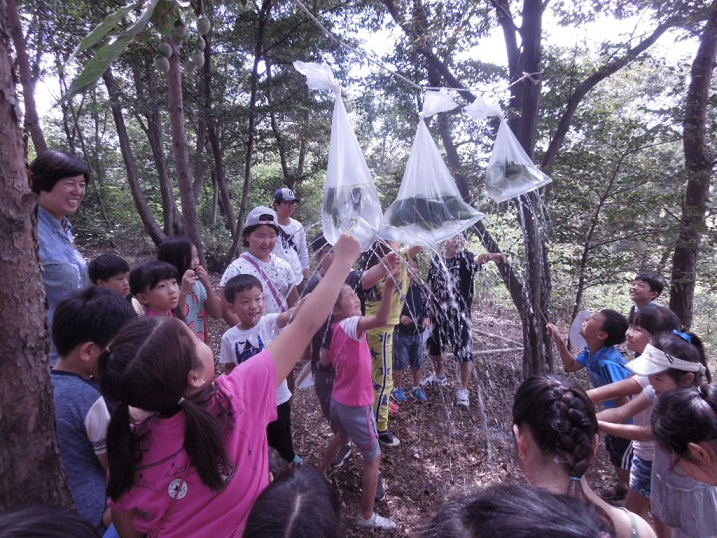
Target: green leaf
[(100, 31), (97, 65), (164, 16)]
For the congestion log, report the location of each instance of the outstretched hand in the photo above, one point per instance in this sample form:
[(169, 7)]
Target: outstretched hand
[(553, 332), (347, 248)]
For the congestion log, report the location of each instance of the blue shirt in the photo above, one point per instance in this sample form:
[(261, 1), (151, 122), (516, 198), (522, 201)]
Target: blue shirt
[(64, 270), (606, 366)]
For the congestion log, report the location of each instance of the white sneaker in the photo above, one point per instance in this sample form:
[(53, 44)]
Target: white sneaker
[(462, 397), (433, 379), (375, 522)]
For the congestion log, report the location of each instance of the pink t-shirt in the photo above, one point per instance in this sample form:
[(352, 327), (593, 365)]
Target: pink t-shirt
[(351, 358), (170, 498)]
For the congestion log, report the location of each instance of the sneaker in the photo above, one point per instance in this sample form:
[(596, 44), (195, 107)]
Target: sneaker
[(297, 461), (388, 439), (380, 489), (393, 407), (375, 522), (342, 456), (418, 394), (462, 397), (399, 395), (433, 379)]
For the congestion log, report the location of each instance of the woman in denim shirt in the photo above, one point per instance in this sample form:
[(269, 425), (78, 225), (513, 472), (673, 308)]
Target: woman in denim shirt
[(60, 180)]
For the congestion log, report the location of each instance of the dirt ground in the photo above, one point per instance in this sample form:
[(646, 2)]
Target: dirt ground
[(445, 450)]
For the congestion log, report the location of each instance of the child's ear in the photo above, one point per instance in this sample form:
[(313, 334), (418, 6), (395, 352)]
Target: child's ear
[(601, 335), (88, 353), (230, 307), (687, 380), (142, 298), (101, 283), (195, 380), (701, 454)]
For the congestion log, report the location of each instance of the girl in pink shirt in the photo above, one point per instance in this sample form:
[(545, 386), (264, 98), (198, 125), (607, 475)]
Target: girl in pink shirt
[(195, 465), (352, 396)]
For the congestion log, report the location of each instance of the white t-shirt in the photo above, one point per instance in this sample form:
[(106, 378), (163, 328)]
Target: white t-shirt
[(291, 246), (645, 450), (240, 344), (276, 269)]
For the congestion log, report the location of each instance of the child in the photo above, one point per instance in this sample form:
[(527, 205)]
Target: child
[(82, 326), (645, 288), (556, 434), (646, 323), (252, 334), (685, 425), (155, 286), (196, 466), (451, 283), (352, 396), (197, 298), (380, 339), (673, 359), (408, 337), (605, 365), (276, 277), (112, 272)]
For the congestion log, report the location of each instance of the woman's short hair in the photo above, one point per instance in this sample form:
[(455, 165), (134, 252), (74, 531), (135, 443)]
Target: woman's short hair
[(51, 166)]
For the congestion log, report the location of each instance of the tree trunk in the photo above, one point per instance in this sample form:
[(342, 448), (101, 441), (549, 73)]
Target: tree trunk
[(32, 121), (30, 468), (699, 160), (171, 216), (145, 214), (181, 150)]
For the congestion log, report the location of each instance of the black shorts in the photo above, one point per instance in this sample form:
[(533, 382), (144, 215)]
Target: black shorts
[(452, 334), (620, 451)]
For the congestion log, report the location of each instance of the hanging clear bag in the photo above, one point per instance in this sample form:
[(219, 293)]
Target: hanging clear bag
[(429, 208), (510, 171), (351, 202)]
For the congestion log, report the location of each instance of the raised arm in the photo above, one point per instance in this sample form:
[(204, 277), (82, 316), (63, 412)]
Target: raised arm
[(569, 362), (627, 431), (620, 415), (213, 304), (486, 257), (380, 318), (315, 309)]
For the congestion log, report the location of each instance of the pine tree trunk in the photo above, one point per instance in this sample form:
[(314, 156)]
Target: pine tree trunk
[(30, 468)]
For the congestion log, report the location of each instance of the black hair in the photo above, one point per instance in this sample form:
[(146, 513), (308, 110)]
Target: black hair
[(53, 165), (105, 266), (656, 318), (686, 346), (45, 522), (178, 252), (147, 276), (90, 315), (685, 415), (318, 242), (240, 283), (515, 511), (147, 366), (562, 420), (653, 280), (615, 325), (300, 503)]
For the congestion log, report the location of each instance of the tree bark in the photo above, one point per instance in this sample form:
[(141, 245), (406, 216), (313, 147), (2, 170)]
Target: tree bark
[(32, 120), (699, 160), (145, 214), (180, 145), (30, 468)]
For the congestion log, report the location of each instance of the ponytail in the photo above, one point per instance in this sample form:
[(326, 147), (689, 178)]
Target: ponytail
[(123, 452)]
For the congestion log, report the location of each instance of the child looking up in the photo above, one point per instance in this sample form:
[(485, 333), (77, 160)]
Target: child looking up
[(197, 465), (605, 364), (82, 326), (672, 360), (252, 334), (155, 286), (646, 323), (352, 396), (197, 298), (112, 272)]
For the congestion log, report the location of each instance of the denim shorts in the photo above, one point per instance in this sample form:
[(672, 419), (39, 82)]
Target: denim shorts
[(641, 475), (407, 350)]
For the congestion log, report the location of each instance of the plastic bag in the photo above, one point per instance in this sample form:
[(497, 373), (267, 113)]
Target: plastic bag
[(510, 171), (428, 208), (480, 110), (351, 202)]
